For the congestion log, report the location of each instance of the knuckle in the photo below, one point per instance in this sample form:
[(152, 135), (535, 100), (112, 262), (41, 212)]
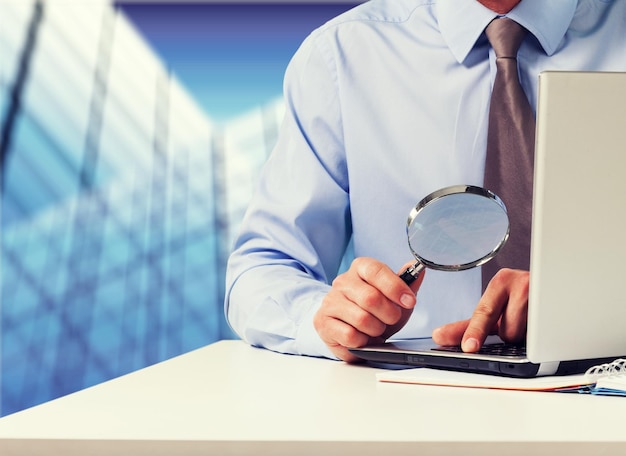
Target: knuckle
[(369, 268), (362, 319), (359, 263), (351, 337), (369, 298), (366, 323), (340, 281), (501, 277), (506, 276)]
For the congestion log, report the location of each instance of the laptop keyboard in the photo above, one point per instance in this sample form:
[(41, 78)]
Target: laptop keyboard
[(499, 349)]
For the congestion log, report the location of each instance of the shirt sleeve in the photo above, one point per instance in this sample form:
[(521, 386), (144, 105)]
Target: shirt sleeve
[(297, 225)]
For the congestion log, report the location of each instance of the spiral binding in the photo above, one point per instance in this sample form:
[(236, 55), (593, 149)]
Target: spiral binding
[(617, 367)]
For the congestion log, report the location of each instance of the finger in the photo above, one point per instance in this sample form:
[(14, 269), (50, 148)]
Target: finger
[(513, 326), (405, 313), (513, 321), (357, 302), (338, 306), (368, 323), (450, 334), (371, 302), (381, 277), (486, 315), (386, 310)]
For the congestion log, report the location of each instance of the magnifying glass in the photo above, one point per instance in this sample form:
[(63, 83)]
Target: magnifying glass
[(455, 228)]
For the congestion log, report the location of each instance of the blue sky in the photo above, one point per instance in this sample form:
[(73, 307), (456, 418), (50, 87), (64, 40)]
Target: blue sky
[(230, 56)]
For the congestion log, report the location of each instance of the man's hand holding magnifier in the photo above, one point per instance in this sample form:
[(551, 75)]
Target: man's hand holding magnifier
[(452, 229)]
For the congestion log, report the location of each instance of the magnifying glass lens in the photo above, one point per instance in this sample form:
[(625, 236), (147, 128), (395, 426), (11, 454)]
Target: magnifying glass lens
[(457, 228)]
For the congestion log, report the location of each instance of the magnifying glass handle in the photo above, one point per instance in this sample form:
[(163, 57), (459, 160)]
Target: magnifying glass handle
[(412, 273)]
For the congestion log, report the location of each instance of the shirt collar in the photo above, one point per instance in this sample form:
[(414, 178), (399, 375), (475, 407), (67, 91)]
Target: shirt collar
[(462, 23)]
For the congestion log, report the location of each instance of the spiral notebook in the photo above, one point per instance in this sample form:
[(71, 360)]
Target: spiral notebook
[(607, 379)]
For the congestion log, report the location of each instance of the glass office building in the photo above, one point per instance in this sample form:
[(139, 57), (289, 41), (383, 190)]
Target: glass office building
[(119, 201)]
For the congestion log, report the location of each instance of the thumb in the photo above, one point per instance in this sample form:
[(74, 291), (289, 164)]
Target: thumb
[(406, 313)]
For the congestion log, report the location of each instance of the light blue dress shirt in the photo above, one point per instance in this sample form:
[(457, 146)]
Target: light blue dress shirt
[(385, 104)]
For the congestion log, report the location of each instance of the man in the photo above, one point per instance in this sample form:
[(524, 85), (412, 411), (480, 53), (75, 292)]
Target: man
[(385, 104)]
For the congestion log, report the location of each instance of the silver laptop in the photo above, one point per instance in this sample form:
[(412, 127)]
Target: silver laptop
[(577, 297)]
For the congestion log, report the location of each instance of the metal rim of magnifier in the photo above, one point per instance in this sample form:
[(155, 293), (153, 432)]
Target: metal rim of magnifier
[(442, 193)]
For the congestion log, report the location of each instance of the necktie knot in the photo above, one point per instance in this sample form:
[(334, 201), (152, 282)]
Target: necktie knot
[(505, 36)]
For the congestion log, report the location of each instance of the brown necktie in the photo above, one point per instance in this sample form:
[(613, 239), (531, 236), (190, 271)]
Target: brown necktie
[(510, 147)]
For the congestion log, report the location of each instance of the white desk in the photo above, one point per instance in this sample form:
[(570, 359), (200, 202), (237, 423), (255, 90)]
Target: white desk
[(228, 398)]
